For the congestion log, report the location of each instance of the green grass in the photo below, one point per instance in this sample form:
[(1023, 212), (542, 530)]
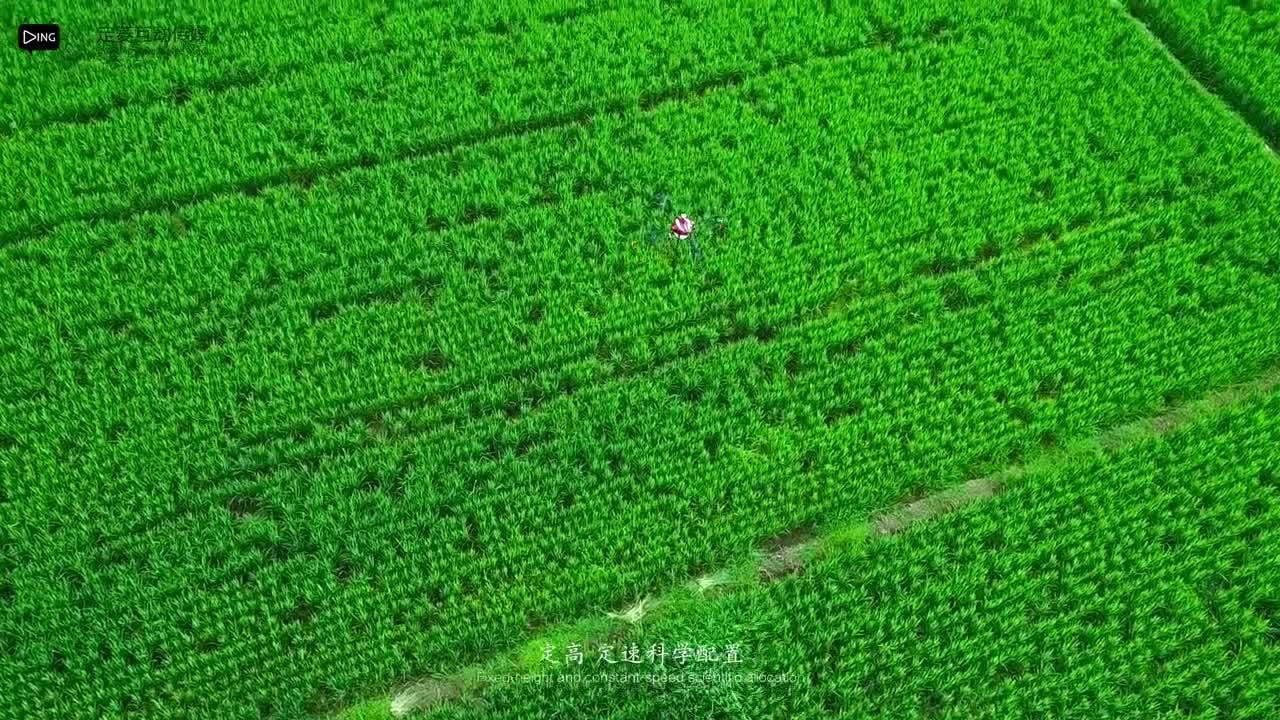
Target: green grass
[(387, 382)]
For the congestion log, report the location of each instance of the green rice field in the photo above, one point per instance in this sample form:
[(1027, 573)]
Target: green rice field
[(1094, 583), (354, 368)]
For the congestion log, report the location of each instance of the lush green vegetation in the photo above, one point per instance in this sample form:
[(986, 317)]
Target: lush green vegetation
[(1138, 583), (475, 85), (369, 369), (1231, 46)]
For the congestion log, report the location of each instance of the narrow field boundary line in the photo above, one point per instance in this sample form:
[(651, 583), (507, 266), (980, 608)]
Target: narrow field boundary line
[(798, 549), (412, 150), (1203, 76)]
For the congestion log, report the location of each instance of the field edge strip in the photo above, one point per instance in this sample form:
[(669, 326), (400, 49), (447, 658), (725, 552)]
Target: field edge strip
[(789, 554), (1203, 74)]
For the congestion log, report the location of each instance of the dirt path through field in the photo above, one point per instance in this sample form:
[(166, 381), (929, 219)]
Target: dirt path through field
[(788, 554)]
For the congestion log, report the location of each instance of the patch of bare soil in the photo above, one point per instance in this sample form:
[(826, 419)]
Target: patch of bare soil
[(936, 504), (785, 555), (426, 694)]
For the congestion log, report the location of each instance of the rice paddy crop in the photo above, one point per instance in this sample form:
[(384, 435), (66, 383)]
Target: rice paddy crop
[(1231, 47), (335, 368), (1140, 582)]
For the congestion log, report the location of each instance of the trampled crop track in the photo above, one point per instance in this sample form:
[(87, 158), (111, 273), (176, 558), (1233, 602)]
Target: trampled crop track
[(304, 175), (249, 479), (178, 94)]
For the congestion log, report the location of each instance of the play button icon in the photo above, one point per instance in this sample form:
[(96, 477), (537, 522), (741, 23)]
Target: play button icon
[(39, 37)]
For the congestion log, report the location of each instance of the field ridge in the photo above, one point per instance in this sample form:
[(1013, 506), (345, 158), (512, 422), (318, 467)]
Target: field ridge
[(789, 554), (1202, 75)]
